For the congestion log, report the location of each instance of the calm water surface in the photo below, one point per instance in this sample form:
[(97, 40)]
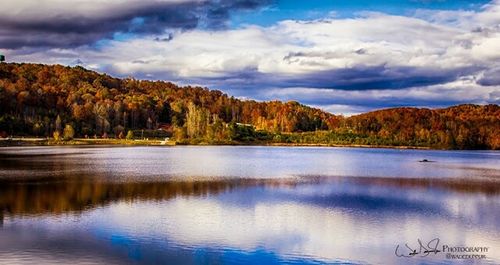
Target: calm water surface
[(244, 205)]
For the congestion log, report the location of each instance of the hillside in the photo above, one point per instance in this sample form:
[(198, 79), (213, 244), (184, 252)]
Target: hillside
[(38, 100), (459, 127)]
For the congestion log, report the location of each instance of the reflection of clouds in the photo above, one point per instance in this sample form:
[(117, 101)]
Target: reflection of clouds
[(308, 221), (277, 227), (48, 244), (294, 228)]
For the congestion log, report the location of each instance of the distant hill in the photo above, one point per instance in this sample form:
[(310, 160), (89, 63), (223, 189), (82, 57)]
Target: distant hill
[(459, 127), (38, 100)]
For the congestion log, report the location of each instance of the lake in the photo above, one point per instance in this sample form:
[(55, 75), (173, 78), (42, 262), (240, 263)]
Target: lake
[(248, 205)]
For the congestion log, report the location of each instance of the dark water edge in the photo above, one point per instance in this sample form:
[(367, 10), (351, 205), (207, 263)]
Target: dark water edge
[(243, 205)]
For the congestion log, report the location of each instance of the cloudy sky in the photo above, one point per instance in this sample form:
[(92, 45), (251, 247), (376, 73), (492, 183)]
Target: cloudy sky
[(344, 56)]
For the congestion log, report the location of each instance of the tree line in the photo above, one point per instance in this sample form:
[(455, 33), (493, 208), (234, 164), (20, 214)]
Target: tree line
[(66, 102)]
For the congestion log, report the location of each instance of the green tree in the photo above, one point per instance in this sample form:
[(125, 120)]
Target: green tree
[(130, 135), (58, 124), (68, 133), (180, 133), (196, 121), (57, 136)]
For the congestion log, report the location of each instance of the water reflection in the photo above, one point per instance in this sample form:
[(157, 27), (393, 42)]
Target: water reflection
[(79, 193), (73, 216), (145, 163), (55, 196)]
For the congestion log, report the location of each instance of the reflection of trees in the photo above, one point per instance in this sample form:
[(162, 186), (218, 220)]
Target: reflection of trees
[(490, 187), (486, 186), (63, 195), (77, 193)]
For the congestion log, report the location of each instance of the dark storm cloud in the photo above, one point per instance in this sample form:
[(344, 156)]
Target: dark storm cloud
[(356, 78), (378, 77), (385, 102), (72, 29), (490, 78)]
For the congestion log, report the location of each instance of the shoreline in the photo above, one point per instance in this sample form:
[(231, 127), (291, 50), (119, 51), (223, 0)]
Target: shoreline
[(30, 141)]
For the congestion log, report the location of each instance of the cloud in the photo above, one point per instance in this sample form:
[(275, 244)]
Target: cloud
[(490, 78), (432, 58), (61, 23), (369, 78)]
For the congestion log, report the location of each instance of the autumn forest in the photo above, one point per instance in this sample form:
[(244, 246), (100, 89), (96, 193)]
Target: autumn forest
[(66, 102)]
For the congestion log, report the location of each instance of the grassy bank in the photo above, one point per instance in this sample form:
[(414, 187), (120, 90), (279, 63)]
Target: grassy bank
[(81, 141), (158, 142)]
